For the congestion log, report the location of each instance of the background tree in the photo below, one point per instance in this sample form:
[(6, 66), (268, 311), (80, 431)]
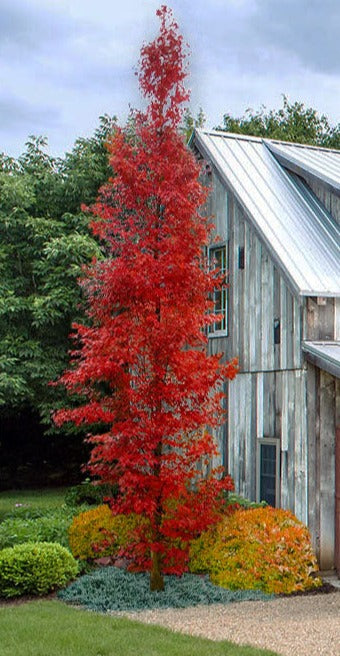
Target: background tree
[(143, 364), (190, 122), (44, 241), (292, 122)]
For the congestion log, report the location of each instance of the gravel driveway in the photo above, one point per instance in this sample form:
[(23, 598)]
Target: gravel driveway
[(296, 626)]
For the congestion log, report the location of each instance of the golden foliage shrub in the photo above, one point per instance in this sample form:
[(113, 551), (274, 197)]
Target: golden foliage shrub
[(97, 532), (264, 549)]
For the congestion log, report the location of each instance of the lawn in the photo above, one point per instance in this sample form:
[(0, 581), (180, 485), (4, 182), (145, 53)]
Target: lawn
[(30, 504), (49, 628), (44, 499)]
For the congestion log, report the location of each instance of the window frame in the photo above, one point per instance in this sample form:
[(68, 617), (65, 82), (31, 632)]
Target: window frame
[(266, 441), (212, 330)]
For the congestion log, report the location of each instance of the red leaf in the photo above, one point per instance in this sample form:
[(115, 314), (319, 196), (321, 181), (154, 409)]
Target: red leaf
[(142, 363)]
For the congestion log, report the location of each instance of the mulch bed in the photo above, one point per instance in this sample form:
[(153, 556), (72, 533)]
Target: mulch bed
[(24, 599), (325, 588)]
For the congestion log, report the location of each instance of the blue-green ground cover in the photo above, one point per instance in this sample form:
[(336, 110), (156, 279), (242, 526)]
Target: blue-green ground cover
[(111, 588)]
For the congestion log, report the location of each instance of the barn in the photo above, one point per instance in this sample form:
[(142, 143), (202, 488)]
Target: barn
[(276, 207)]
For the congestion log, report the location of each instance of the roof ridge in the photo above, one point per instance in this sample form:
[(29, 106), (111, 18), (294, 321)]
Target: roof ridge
[(229, 135), (300, 145), (264, 140)]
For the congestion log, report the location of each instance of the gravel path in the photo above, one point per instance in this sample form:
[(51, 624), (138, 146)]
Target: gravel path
[(296, 626)]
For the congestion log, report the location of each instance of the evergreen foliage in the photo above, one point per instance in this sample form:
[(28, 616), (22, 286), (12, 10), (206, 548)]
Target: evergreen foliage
[(35, 569), (111, 588)]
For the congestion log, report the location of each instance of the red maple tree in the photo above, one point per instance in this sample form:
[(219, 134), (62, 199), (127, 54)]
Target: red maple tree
[(142, 364)]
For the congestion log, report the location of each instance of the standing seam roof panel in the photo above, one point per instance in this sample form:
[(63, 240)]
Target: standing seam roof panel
[(298, 230), (252, 166), (274, 204), (322, 163)]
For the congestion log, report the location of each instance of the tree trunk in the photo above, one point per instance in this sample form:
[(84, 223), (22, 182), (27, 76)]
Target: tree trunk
[(156, 578)]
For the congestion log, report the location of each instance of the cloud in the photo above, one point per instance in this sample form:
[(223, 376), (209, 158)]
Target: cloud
[(307, 29), (16, 113), (252, 35), (64, 63), (25, 28)]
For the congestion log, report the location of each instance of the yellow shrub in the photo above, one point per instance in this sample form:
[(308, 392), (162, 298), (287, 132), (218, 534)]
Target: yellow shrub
[(264, 549), (97, 532)]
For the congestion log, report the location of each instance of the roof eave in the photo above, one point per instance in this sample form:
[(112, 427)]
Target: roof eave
[(319, 294), (321, 360)]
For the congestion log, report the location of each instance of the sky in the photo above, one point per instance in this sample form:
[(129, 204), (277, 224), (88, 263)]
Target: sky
[(63, 63)]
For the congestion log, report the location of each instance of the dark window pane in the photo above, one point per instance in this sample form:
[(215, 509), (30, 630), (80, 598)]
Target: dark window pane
[(268, 473), (277, 331), (218, 300), (218, 258), (241, 257), (268, 467)]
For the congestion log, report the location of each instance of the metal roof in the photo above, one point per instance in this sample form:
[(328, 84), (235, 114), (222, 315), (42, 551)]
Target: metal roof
[(302, 237), (325, 355), (321, 163)]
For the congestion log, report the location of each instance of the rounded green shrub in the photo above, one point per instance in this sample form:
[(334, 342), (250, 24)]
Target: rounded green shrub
[(264, 549), (35, 568), (89, 493)]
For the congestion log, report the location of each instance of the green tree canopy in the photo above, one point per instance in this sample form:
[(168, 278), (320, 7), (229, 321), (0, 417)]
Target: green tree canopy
[(190, 122), (44, 241), (292, 122)]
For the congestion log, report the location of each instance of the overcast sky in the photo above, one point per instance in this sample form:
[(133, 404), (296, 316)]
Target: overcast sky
[(63, 63)]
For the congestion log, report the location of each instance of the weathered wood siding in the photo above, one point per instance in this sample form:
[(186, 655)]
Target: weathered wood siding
[(268, 397), (276, 395), (337, 318), (258, 295), (216, 206), (322, 390), (320, 317), (328, 198), (270, 404)]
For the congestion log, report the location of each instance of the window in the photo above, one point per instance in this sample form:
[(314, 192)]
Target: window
[(268, 470), (218, 260), (241, 257), (277, 331)]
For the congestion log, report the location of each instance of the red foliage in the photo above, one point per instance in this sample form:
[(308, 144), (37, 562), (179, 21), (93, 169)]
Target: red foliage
[(143, 364)]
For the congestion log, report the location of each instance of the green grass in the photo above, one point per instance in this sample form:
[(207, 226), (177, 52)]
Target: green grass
[(49, 628), (44, 498), (30, 503)]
